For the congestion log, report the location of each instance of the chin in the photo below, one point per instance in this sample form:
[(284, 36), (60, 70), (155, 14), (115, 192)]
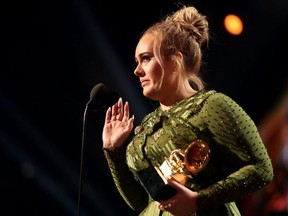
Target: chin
[(146, 92), (149, 95), (150, 92)]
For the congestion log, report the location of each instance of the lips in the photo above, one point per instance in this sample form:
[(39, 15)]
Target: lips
[(144, 82)]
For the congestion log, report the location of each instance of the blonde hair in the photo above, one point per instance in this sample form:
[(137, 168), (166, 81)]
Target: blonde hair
[(183, 31)]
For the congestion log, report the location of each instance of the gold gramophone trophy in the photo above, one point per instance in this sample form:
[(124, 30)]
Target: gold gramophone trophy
[(180, 165)]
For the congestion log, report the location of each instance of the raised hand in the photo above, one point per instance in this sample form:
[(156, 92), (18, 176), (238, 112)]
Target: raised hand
[(117, 126)]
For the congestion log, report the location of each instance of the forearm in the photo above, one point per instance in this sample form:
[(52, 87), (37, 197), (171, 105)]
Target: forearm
[(130, 189), (237, 185)]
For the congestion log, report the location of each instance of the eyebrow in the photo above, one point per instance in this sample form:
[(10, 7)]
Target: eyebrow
[(144, 53), (140, 55)]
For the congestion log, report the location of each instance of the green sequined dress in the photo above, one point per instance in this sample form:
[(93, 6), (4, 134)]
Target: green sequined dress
[(238, 164)]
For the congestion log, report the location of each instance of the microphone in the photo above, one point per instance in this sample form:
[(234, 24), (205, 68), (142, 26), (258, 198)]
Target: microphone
[(101, 97)]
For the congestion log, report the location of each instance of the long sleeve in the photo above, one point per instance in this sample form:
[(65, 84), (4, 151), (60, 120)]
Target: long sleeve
[(242, 149), (130, 189)]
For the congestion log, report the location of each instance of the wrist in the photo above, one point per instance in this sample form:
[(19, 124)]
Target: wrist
[(108, 148)]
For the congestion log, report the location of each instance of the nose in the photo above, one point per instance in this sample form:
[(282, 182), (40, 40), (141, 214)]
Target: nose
[(138, 71)]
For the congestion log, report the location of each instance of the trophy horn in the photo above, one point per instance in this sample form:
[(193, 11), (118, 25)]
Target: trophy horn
[(196, 156)]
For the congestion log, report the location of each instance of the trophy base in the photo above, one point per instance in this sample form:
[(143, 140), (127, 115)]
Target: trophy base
[(155, 184)]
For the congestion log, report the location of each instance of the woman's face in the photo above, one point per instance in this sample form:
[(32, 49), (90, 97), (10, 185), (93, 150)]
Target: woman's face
[(150, 72)]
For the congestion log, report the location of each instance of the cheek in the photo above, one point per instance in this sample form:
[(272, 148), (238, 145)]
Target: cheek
[(155, 72)]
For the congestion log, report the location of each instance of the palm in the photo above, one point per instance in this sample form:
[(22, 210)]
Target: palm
[(117, 126), (115, 132)]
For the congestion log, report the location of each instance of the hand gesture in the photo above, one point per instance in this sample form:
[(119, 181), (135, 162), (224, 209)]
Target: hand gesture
[(117, 126)]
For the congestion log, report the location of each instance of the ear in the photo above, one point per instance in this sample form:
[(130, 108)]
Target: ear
[(177, 60), (179, 55)]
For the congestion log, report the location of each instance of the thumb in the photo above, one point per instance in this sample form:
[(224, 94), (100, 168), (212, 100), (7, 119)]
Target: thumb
[(173, 182)]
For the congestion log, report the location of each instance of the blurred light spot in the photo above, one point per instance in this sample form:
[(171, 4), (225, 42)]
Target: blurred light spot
[(233, 24), (284, 155), (27, 170)]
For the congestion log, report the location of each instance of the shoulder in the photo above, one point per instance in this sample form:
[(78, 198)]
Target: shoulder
[(213, 95), (220, 98), (209, 96), (219, 102)]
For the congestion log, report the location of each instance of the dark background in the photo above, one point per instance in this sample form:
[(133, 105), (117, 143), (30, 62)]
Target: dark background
[(55, 51)]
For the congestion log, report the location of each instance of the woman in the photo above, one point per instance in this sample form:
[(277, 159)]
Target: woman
[(168, 57)]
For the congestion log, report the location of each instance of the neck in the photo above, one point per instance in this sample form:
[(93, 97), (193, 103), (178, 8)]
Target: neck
[(172, 100)]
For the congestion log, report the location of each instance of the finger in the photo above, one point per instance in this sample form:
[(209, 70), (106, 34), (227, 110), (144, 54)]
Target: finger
[(165, 207), (130, 123), (108, 115), (177, 185), (126, 112), (172, 181), (120, 109), (114, 112)]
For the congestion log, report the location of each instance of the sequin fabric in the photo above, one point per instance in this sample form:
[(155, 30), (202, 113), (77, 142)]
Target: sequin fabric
[(238, 164)]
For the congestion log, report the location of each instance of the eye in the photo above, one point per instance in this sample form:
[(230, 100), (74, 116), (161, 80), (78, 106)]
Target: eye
[(146, 58)]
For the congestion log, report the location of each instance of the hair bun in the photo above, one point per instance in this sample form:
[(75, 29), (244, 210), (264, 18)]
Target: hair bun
[(191, 21)]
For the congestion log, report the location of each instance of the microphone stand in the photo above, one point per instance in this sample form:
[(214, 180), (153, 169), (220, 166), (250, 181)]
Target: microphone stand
[(97, 89), (82, 158), (100, 98)]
